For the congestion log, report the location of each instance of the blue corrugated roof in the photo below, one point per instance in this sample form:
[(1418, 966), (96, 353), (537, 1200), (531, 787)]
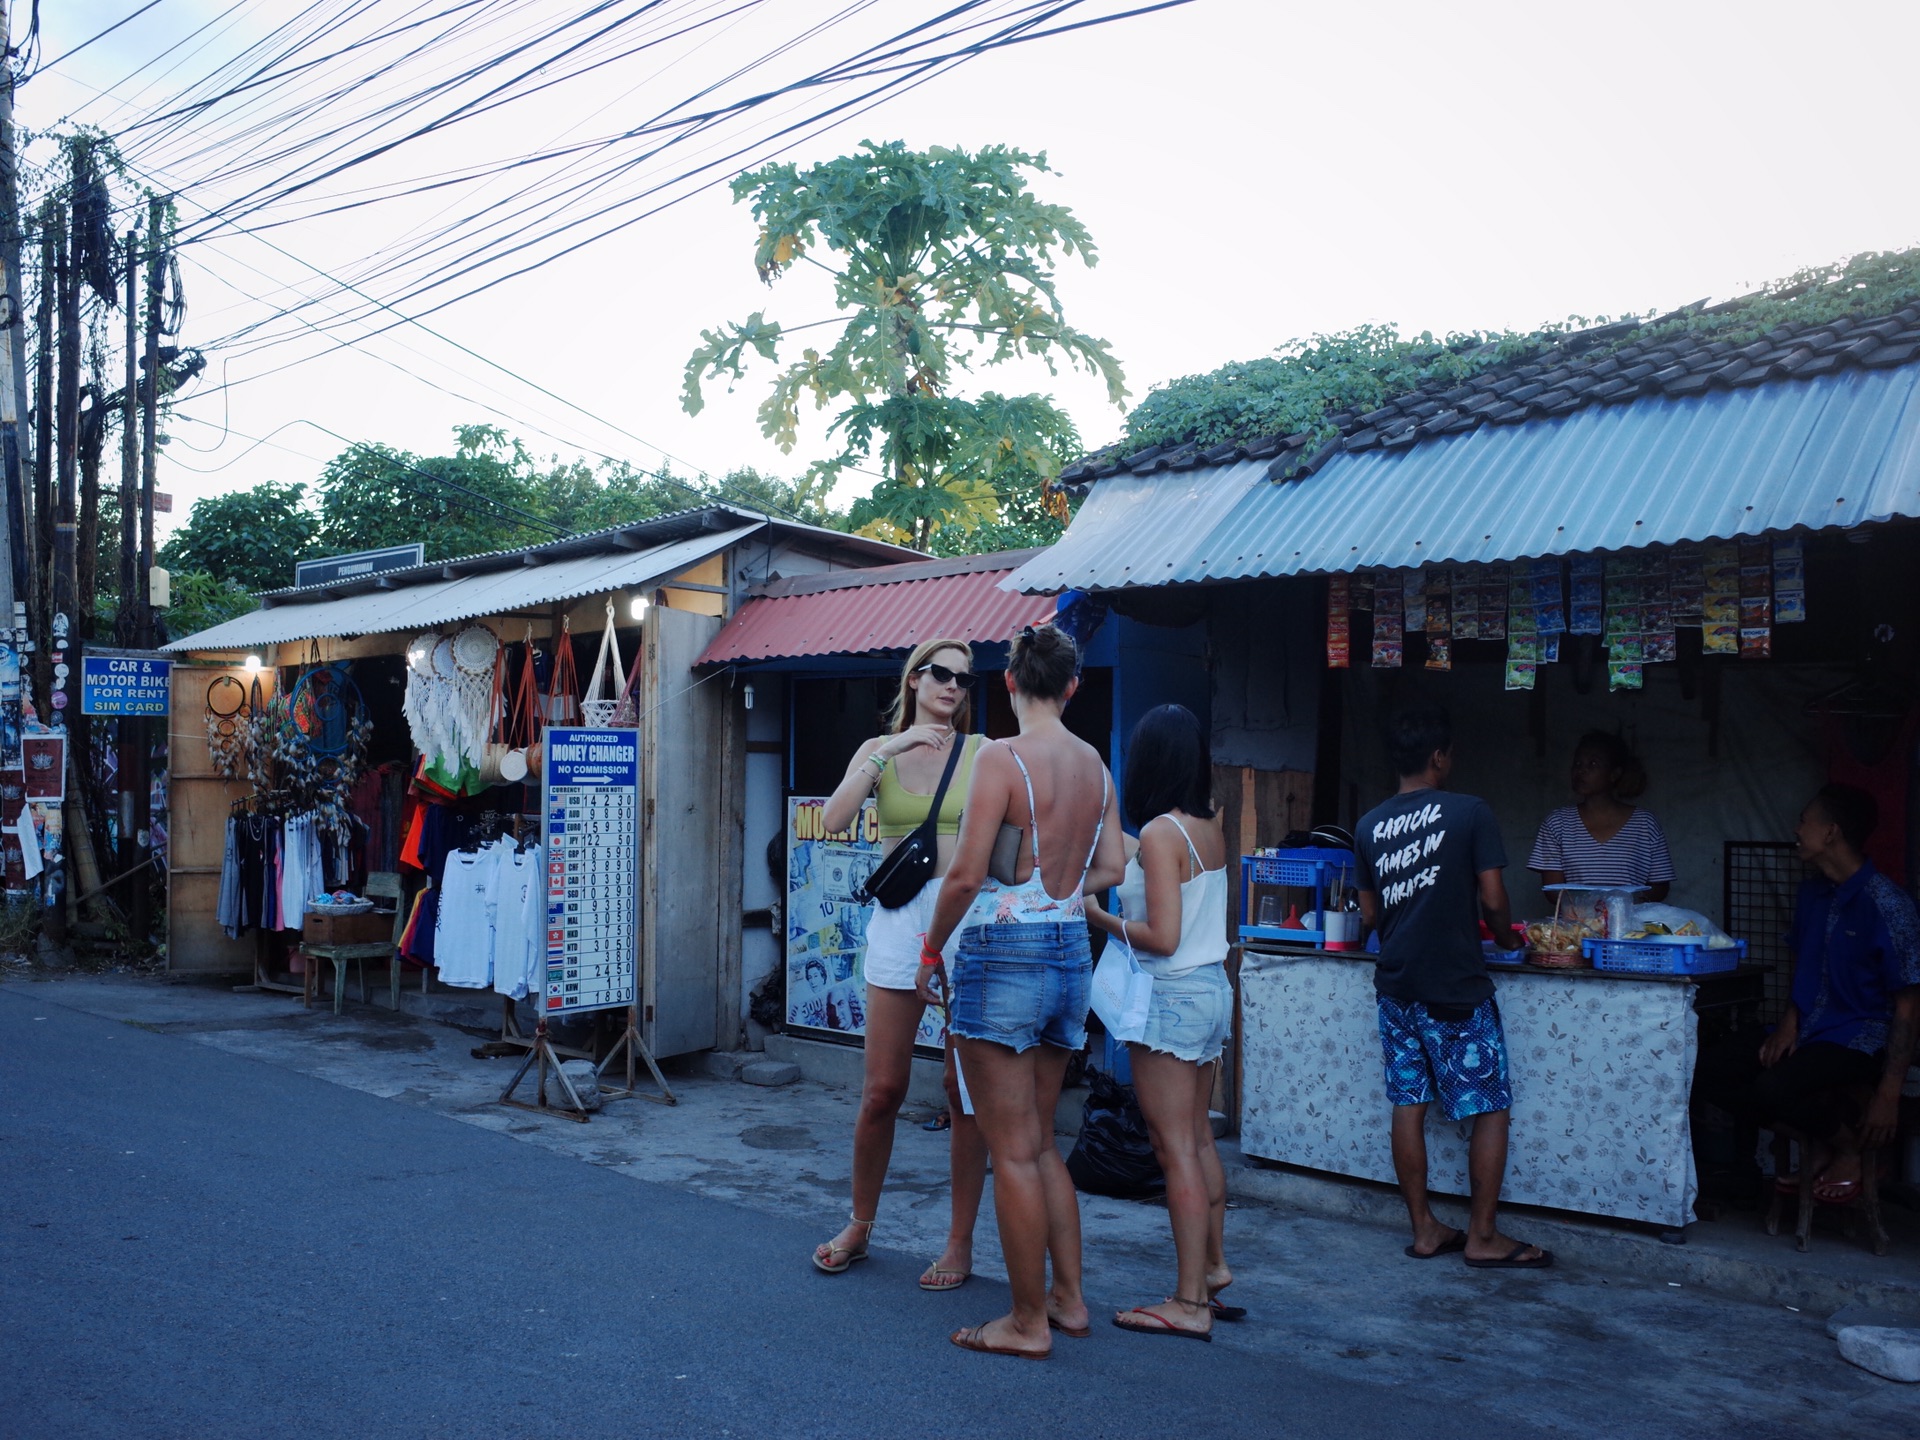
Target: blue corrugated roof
[(1840, 450)]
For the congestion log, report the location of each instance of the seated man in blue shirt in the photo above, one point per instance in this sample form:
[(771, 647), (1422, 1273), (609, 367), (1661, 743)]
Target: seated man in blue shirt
[(1855, 1007)]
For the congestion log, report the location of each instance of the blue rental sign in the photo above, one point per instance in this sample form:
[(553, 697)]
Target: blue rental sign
[(124, 683)]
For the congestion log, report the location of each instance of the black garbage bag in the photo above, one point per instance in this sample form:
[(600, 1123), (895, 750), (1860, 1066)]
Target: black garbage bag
[(1113, 1155)]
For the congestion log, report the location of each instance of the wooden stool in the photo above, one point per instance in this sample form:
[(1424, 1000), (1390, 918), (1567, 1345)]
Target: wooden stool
[(385, 884), (1866, 1203)]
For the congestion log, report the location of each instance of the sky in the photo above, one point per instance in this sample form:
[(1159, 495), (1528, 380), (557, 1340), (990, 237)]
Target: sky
[(1252, 171)]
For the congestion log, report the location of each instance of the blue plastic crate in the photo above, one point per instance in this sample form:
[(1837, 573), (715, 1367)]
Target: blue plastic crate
[(1301, 868), (1663, 957), (1282, 933)]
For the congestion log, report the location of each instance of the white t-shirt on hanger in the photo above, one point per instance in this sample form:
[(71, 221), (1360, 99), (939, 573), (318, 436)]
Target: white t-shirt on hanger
[(517, 872), (463, 927)]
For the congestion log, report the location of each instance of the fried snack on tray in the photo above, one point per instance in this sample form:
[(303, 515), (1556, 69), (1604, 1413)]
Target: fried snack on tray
[(1560, 937)]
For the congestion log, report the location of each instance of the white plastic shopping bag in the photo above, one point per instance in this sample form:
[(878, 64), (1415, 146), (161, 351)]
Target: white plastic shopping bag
[(1122, 992)]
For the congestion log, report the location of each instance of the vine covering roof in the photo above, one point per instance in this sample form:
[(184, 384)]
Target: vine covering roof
[(1369, 390)]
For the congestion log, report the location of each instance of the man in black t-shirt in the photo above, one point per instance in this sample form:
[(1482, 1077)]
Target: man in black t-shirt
[(1430, 865)]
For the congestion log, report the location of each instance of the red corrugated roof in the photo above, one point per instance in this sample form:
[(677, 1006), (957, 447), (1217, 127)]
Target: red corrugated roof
[(891, 607)]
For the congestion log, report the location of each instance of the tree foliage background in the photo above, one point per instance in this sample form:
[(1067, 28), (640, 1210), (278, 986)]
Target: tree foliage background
[(489, 493), (941, 260)]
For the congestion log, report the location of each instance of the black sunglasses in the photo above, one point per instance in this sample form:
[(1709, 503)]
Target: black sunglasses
[(943, 676)]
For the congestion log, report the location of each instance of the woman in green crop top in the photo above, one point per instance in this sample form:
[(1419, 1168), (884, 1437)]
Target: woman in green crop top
[(901, 770)]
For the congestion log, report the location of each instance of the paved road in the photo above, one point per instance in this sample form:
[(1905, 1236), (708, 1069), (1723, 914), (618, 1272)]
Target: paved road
[(196, 1244)]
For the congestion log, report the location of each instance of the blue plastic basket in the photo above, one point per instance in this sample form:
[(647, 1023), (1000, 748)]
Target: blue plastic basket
[(1504, 957), (1663, 957), (1303, 868)]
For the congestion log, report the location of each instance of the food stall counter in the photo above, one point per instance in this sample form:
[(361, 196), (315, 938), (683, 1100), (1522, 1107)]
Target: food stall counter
[(1601, 1074)]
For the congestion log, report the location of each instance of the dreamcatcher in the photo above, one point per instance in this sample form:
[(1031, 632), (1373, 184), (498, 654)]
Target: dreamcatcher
[(324, 741), (227, 728), (475, 690), (421, 704)]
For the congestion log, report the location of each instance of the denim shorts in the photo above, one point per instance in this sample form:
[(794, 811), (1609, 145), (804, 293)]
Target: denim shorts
[(1191, 1015), (1022, 985), (1464, 1061)]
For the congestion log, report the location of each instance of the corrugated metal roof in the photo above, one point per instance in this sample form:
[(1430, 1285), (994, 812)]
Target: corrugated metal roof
[(1841, 450), (878, 613), (423, 606), (631, 537)]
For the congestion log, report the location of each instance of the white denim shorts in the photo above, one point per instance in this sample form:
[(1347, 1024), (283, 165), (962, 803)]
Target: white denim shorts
[(1192, 1016), (893, 939)]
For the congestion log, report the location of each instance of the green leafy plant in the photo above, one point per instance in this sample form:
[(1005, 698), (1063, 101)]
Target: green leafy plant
[(941, 260), (252, 537), (1307, 381), (202, 600)]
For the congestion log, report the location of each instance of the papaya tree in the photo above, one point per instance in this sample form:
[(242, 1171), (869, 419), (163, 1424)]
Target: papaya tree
[(941, 260)]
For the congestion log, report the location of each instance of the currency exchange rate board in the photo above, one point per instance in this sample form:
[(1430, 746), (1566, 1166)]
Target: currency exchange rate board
[(591, 781)]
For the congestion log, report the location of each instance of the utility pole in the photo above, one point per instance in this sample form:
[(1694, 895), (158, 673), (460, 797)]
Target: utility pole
[(43, 457), (127, 625), (66, 595), (149, 439), (66, 583), (134, 756), (132, 736), (13, 352)]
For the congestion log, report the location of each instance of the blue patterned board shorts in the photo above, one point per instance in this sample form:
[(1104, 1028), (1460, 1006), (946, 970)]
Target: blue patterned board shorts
[(1464, 1060), (1022, 985)]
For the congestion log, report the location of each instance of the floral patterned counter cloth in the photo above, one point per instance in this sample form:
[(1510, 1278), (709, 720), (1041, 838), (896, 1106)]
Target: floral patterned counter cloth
[(1601, 1074)]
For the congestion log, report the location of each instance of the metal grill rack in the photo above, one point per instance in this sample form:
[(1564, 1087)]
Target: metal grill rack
[(1761, 879)]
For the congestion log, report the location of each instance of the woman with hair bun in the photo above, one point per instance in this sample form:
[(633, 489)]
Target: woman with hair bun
[(901, 770), (1604, 839), (1022, 970)]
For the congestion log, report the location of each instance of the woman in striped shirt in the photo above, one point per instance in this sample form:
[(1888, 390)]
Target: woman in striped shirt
[(1605, 839)]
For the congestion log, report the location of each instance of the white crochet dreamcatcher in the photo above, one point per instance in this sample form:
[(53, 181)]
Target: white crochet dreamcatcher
[(475, 652)]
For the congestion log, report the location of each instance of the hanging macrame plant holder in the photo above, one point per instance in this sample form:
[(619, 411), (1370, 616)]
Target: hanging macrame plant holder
[(521, 723), (560, 705), (599, 708)]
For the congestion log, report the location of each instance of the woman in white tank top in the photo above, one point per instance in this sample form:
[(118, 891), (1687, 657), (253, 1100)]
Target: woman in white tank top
[(1173, 912)]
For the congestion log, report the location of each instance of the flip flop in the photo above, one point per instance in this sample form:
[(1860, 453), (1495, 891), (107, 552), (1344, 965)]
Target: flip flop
[(1169, 1328), (1836, 1192), (830, 1266), (953, 1279), (1446, 1247), (942, 1121), (1081, 1333), (1512, 1260), (1788, 1184), (970, 1340), (1231, 1313)]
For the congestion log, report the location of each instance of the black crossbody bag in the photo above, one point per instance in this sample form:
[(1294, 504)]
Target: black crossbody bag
[(900, 877)]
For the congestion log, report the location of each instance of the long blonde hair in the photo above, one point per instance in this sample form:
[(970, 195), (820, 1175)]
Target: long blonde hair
[(902, 714)]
